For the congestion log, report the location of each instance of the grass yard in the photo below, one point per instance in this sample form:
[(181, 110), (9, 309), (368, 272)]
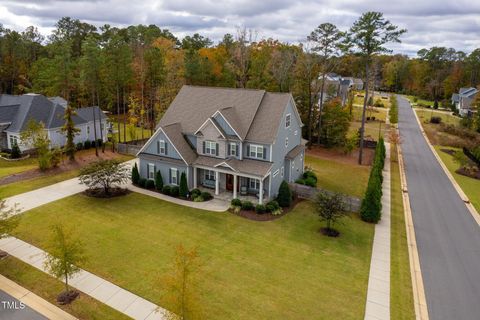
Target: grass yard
[(372, 128), (339, 177), (419, 101), (12, 167), (469, 185), (137, 134), (281, 269), (447, 117), (48, 288), (401, 294), (378, 113)]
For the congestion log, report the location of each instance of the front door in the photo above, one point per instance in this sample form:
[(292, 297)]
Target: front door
[(229, 183)]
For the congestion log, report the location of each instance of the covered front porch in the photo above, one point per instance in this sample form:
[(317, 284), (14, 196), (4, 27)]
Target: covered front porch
[(227, 184)]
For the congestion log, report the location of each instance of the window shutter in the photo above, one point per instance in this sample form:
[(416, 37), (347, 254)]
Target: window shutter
[(154, 171), (170, 176), (216, 149), (166, 148), (236, 153), (248, 151), (203, 147), (264, 153), (158, 146), (229, 152)]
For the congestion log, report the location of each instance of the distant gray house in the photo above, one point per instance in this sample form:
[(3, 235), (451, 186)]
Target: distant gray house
[(463, 100), (16, 111), (238, 141), (337, 86)]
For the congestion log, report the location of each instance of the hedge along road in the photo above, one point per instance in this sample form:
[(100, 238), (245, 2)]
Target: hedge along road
[(448, 238)]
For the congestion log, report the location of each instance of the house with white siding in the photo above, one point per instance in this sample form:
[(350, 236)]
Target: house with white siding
[(16, 111)]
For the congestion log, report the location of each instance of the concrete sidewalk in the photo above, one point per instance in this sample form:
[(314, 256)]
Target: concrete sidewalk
[(378, 294), (41, 308), (106, 292)]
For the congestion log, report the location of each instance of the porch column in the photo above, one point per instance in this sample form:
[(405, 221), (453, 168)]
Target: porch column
[(260, 192), (217, 183), (234, 186), (194, 178)]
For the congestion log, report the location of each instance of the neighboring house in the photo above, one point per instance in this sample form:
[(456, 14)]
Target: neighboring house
[(463, 100), (230, 140), (357, 84), (337, 86), (16, 111)]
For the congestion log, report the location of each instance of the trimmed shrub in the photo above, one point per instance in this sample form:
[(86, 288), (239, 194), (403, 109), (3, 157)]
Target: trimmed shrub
[(15, 151), (79, 146), (183, 191), (273, 204), (247, 205), (206, 195), (269, 208), (142, 182), (135, 174), (371, 208), (435, 120), (195, 193), (310, 174), (166, 190), (175, 191), (236, 202), (311, 182), (260, 209), (198, 199), (158, 181), (300, 181), (150, 184), (284, 197), (87, 144)]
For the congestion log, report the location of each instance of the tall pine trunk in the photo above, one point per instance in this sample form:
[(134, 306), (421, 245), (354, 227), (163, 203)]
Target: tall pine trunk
[(124, 117), (100, 119), (94, 123), (365, 101), (321, 109), (118, 114)]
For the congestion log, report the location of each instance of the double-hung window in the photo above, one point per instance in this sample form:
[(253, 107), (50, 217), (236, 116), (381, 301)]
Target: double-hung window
[(151, 171), (161, 147), (256, 151), (286, 142), (209, 175), (174, 176), (210, 148), (282, 170), (233, 149), (254, 184), (288, 119)]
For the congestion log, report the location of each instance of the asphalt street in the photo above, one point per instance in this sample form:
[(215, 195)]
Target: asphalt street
[(448, 238), (11, 309)]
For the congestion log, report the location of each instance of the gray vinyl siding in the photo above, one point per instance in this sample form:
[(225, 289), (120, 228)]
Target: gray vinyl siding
[(280, 151), (164, 168), (152, 148), (224, 125), (210, 133)]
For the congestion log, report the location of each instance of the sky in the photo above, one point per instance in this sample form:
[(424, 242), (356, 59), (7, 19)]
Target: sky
[(449, 23)]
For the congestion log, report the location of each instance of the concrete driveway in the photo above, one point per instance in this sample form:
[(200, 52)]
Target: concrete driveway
[(448, 237)]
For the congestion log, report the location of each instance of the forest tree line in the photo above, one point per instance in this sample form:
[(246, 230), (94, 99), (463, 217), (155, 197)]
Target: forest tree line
[(139, 69)]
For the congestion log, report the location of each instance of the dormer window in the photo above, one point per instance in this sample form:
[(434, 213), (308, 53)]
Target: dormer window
[(288, 120), (232, 147), (162, 147), (210, 148), (256, 151)]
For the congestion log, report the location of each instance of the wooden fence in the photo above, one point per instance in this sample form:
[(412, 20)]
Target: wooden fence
[(306, 192)]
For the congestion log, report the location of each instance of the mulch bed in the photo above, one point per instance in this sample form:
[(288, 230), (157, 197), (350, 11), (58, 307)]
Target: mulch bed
[(448, 151), (469, 173), (3, 254), (252, 215), (99, 192), (67, 297), (329, 232)]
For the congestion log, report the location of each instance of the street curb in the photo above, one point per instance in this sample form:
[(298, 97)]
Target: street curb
[(35, 302), (457, 187), (419, 298)]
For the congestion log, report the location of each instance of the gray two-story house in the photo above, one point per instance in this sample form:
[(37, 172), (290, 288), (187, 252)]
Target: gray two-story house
[(240, 141)]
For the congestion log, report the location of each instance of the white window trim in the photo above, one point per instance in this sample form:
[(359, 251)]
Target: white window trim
[(286, 142), (233, 149), (282, 169), (151, 166), (256, 183), (295, 132), (288, 119), (160, 146), (209, 175), (256, 147), (276, 173), (172, 170), (211, 147)]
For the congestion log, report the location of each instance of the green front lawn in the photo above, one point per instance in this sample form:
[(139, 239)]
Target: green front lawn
[(425, 114), (128, 134), (48, 288), (282, 269), (339, 177), (12, 167), (469, 185), (401, 293)]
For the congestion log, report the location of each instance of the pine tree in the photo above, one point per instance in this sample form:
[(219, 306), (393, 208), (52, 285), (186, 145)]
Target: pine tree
[(70, 131), (158, 181), (135, 174), (284, 197)]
